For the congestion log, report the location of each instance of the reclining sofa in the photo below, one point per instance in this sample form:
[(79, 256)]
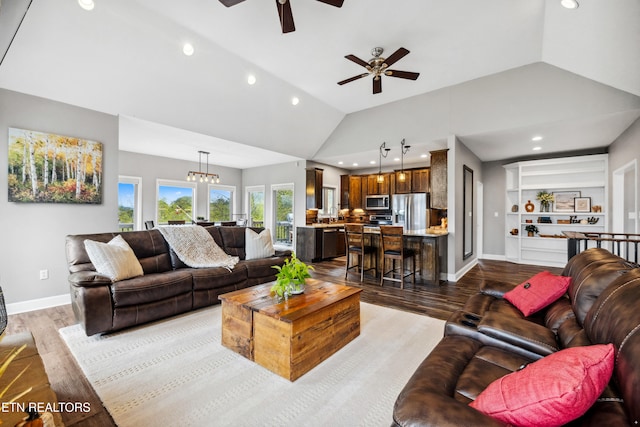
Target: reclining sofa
[(167, 287), (490, 338)]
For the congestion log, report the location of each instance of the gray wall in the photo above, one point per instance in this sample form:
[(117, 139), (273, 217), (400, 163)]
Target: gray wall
[(494, 180), (458, 156), (33, 235), (152, 168)]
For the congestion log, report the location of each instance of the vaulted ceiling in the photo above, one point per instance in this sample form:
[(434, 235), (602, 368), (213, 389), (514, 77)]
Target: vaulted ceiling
[(494, 72)]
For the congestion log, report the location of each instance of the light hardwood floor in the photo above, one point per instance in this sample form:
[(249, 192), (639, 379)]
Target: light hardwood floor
[(437, 301)]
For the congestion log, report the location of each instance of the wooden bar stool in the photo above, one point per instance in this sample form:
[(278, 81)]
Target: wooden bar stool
[(393, 249), (354, 237)]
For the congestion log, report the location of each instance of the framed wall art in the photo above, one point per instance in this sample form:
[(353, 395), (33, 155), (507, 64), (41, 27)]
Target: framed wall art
[(50, 168), (582, 204), (564, 201)]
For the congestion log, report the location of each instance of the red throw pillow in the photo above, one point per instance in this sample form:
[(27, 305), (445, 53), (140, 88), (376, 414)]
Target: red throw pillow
[(551, 391), (537, 292)]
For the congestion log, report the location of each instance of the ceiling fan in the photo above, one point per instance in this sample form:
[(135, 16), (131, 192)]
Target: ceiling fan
[(378, 66), (284, 10)]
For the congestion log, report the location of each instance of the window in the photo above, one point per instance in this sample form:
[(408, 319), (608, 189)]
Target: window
[(175, 201), (221, 202), (329, 201), (129, 196), (283, 213), (255, 205)]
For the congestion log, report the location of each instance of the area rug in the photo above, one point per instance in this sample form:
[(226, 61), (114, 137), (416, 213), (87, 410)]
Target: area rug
[(176, 373)]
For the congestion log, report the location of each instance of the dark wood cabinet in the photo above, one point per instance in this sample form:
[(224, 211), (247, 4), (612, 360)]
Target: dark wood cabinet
[(317, 243), (355, 192), (344, 191), (420, 181), (375, 187), (314, 188), (403, 187), (438, 177)]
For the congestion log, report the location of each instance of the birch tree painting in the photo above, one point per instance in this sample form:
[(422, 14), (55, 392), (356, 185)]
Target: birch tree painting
[(48, 168)]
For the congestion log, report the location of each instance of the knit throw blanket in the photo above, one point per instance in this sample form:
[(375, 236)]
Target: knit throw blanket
[(196, 248)]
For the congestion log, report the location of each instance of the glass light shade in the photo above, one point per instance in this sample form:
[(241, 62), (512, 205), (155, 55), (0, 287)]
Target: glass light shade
[(402, 177), (86, 4), (380, 178)]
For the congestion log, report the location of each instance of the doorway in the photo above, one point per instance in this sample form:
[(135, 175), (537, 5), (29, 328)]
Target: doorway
[(625, 202)]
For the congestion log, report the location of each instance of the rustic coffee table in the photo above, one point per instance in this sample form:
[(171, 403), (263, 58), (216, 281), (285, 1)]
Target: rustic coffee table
[(290, 337)]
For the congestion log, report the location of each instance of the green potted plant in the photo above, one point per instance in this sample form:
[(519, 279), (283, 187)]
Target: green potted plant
[(291, 277), (531, 230)]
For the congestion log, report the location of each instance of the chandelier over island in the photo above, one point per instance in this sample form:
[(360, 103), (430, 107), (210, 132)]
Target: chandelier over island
[(206, 176)]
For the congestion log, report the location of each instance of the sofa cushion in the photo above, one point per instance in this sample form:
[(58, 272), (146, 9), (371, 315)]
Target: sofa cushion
[(114, 259), (258, 245), (151, 287), (551, 391), (538, 292)]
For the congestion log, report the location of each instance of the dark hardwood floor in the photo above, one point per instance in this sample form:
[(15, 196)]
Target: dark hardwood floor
[(437, 301)]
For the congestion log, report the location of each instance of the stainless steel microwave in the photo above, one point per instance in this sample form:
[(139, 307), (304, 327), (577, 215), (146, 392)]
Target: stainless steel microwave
[(377, 202)]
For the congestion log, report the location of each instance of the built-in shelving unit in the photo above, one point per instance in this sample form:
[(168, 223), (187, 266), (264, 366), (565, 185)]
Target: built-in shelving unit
[(585, 175)]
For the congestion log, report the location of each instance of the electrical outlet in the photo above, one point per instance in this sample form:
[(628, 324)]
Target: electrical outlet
[(44, 274)]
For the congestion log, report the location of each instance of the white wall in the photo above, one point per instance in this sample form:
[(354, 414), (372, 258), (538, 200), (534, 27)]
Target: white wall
[(33, 235), (625, 149)]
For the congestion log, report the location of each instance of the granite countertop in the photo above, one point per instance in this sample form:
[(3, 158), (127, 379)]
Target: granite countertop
[(425, 232)]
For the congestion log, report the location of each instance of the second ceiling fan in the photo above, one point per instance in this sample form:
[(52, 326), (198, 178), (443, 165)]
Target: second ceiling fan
[(284, 11), (378, 67)]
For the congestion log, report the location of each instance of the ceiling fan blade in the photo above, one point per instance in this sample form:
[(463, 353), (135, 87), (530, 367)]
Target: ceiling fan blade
[(396, 56), (357, 60), (377, 85), (350, 79), (336, 3), (402, 74), (230, 3), (286, 16)]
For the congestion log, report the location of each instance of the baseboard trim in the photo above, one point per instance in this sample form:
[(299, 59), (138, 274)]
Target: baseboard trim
[(494, 257), (38, 304), (454, 277)]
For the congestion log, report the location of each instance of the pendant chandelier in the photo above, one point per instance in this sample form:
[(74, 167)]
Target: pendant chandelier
[(402, 177), (214, 178), (384, 148)]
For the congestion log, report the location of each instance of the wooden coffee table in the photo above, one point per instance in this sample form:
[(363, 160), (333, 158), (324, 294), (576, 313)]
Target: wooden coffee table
[(290, 337)]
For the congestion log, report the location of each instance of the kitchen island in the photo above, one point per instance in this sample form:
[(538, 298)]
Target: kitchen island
[(430, 245), (317, 242)]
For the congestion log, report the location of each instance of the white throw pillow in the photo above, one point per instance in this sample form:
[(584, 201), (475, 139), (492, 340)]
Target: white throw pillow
[(115, 259), (258, 245)]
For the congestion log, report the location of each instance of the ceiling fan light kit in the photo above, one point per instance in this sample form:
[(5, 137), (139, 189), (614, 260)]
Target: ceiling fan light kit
[(379, 66)]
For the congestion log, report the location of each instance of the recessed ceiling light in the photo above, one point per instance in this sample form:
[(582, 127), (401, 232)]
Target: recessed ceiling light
[(569, 4), (397, 159), (537, 148), (251, 79), (295, 100), (86, 4), (424, 156), (537, 138), (355, 164), (372, 162), (341, 162), (188, 49)]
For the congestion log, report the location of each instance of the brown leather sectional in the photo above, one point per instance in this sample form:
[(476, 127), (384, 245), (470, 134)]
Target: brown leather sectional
[(168, 287), (490, 338)]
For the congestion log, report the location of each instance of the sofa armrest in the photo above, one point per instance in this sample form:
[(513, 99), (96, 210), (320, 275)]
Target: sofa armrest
[(88, 279), (428, 397), (283, 253), (496, 288), (519, 332)]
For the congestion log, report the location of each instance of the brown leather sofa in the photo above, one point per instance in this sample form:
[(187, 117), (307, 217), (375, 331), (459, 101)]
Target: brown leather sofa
[(168, 287), (490, 338)]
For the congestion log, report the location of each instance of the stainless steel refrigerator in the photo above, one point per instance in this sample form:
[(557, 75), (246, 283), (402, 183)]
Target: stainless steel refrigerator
[(410, 210)]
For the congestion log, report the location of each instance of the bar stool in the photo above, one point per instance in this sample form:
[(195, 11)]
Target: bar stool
[(354, 237), (393, 249)]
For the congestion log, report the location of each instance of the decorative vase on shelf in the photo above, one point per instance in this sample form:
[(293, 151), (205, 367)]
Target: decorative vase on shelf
[(529, 206), (544, 206)]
